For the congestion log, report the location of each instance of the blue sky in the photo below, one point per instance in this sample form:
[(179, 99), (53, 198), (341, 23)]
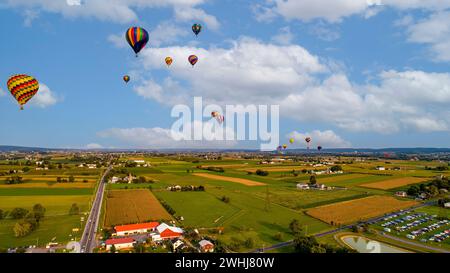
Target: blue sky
[(345, 72)]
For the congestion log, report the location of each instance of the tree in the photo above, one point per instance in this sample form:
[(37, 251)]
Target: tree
[(225, 199), (74, 209), (249, 243), (71, 179), (295, 227), (26, 169), (318, 249), (22, 228), (304, 244), (313, 180), (413, 191), (39, 212), (60, 166), (1, 214), (262, 173), (139, 248), (18, 213), (58, 179), (433, 190), (336, 168), (142, 180)]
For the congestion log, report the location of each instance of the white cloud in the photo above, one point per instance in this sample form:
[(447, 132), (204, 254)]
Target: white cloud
[(327, 139), (435, 32), (324, 32), (94, 146), (121, 11), (307, 88), (44, 97), (336, 10), (188, 14), (284, 37), (160, 138), (2, 93)]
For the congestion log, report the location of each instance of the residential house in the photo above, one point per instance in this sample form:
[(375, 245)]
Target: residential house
[(303, 186), (120, 243), (401, 194)]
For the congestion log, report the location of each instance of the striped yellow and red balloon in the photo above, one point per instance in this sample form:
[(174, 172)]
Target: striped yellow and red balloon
[(23, 88)]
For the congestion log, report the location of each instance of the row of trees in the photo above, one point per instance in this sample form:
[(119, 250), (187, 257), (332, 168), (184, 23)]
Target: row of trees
[(28, 220)]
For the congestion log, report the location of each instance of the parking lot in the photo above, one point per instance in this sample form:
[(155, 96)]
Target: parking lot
[(417, 225)]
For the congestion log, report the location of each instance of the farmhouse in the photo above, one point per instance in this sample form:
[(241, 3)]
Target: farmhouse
[(380, 168), (447, 205), (121, 243), (91, 166), (135, 228), (206, 246), (401, 194)]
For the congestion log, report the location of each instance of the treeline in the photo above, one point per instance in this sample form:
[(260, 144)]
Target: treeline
[(440, 168), (212, 169), (167, 207)]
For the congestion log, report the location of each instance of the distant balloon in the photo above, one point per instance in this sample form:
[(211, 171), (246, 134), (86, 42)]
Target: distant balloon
[(285, 146), (197, 28), (169, 61), (319, 148), (126, 78), (308, 141), (23, 88), (193, 60), (292, 140), (137, 38), (220, 119)]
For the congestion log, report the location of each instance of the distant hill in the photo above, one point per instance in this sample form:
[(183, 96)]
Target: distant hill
[(5, 148)]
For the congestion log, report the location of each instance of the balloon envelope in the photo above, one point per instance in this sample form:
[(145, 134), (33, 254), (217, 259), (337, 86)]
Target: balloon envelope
[(126, 79), (137, 38), (193, 60), (23, 88), (169, 61), (292, 140), (197, 28)]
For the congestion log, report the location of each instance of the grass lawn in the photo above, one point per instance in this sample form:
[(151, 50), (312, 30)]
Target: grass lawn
[(59, 227)]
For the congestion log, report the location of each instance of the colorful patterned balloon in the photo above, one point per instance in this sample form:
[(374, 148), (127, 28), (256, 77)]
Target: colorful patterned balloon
[(197, 28), (126, 78), (137, 38), (23, 88)]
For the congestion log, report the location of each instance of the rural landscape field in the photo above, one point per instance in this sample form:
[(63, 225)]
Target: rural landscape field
[(241, 202)]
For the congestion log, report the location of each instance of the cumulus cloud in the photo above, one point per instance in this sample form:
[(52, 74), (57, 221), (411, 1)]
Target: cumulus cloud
[(161, 138), (326, 138), (433, 31), (121, 11), (284, 37), (2, 93), (336, 10), (188, 14), (45, 97), (307, 88)]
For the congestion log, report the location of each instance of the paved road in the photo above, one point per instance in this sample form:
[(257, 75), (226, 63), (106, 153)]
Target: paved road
[(370, 221), (88, 241)]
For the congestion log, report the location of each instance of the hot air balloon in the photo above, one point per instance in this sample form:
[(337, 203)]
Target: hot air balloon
[(292, 140), (319, 148), (169, 61), (197, 28), (308, 141), (193, 60), (126, 78), (23, 88), (220, 119), (285, 146), (137, 38)]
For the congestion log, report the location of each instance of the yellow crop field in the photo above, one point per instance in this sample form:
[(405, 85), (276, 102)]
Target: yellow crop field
[(230, 179), (359, 209), (394, 183), (133, 206)]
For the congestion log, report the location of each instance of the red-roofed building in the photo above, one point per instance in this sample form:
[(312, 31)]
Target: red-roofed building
[(166, 232), (136, 228), (120, 243)]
